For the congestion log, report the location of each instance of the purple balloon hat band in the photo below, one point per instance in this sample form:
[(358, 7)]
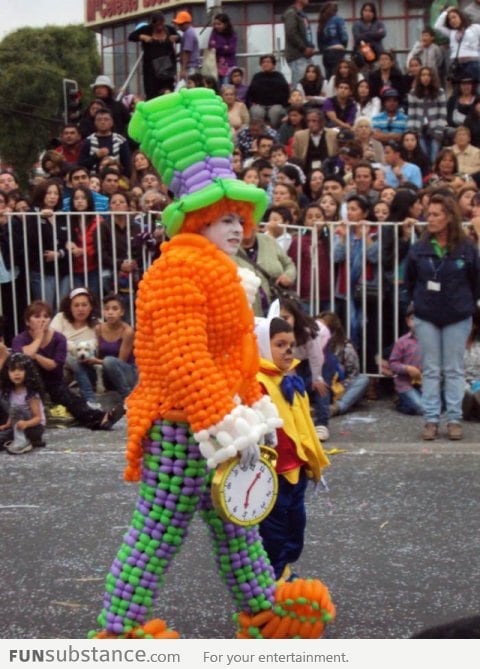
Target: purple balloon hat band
[(201, 174)]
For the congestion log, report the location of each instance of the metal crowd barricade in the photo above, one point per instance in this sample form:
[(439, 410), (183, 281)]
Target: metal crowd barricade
[(19, 254), (108, 278), (387, 311)]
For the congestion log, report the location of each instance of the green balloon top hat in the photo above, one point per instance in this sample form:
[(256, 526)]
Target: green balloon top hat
[(187, 137)]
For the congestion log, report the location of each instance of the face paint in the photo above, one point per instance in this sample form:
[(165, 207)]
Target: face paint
[(226, 233)]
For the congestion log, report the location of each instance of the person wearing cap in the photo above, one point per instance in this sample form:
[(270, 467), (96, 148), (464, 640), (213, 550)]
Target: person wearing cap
[(398, 170), (349, 153), (341, 109), (391, 123), (159, 59), (102, 89), (197, 397), (189, 47)]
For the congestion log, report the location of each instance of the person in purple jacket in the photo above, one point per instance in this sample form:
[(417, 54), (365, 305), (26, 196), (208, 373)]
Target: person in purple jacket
[(189, 50), (48, 349), (223, 39)]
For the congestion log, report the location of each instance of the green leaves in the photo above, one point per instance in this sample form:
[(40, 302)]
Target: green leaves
[(33, 63)]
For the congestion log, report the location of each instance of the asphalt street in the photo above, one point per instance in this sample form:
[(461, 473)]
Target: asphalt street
[(395, 536)]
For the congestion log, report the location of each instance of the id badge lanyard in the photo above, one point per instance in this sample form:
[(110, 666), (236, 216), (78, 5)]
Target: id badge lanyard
[(434, 284)]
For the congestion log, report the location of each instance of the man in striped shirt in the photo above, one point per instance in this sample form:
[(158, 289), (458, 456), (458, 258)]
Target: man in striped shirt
[(104, 142)]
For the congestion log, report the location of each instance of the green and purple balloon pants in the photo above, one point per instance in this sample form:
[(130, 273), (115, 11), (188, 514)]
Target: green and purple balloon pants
[(175, 484)]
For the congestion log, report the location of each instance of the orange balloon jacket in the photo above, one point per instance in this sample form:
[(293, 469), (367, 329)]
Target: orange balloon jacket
[(195, 345)]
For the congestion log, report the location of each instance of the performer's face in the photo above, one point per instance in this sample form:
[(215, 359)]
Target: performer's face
[(226, 233), (281, 346)]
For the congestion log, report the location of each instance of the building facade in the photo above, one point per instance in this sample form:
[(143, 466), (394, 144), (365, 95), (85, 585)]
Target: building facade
[(258, 24)]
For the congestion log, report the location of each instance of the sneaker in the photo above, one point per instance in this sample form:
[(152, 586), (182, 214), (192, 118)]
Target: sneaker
[(58, 416), (454, 431), (430, 431), (94, 405), (334, 410), (38, 444), (322, 432), (16, 448), (112, 417)]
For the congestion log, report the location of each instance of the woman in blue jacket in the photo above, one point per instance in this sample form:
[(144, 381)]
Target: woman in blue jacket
[(443, 277), (332, 37)]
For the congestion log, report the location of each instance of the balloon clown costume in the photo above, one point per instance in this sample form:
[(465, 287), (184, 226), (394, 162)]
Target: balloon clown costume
[(197, 402)]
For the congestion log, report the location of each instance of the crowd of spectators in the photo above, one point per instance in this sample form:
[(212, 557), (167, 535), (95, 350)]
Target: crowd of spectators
[(360, 144)]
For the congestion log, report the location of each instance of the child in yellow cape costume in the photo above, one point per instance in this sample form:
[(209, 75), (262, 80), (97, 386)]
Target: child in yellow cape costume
[(300, 454)]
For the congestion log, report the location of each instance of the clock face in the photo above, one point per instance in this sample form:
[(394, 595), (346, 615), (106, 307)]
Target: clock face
[(249, 495)]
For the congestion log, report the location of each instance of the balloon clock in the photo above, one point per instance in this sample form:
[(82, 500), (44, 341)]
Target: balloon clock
[(246, 496)]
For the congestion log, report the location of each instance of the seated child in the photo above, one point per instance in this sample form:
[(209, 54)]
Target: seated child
[(277, 218), (300, 454), (406, 363), (471, 398), (21, 397), (279, 158), (355, 385)]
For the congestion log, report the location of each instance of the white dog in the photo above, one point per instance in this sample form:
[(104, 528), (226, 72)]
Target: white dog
[(85, 350)]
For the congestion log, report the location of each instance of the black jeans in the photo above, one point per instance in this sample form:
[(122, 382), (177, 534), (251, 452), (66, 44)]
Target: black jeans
[(331, 58), (77, 405)]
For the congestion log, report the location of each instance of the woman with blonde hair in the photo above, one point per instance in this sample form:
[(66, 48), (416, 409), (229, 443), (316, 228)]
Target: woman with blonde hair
[(237, 111), (372, 148)]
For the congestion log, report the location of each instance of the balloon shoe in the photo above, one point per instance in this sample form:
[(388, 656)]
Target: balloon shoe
[(301, 611), (153, 629)]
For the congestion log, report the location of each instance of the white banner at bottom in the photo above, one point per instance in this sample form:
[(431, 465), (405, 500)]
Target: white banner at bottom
[(236, 654)]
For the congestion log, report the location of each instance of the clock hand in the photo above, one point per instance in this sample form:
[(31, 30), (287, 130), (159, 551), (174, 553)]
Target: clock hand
[(250, 487)]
